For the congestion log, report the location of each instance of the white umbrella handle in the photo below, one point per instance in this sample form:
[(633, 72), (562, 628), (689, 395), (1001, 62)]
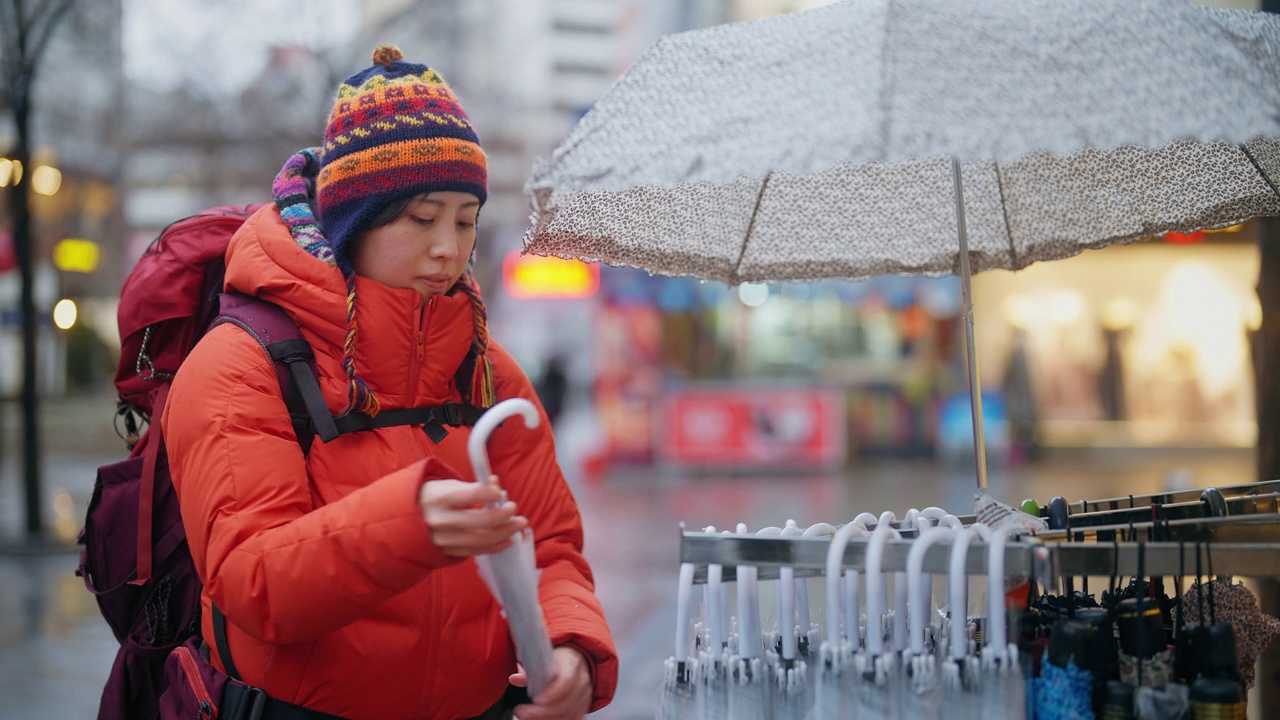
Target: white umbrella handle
[(853, 618), (485, 426), (835, 560), (817, 530), (750, 641), (711, 604), (902, 596), (683, 595), (996, 620), (787, 600), (865, 519), (915, 584), (958, 589), (875, 581)]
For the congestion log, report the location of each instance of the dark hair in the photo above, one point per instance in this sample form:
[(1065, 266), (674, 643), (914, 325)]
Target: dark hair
[(386, 215)]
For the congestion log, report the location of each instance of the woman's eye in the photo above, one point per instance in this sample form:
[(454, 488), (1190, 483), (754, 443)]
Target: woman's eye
[(466, 225), (422, 220)]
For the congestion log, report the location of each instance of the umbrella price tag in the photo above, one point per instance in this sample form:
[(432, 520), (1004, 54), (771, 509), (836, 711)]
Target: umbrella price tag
[(999, 516)]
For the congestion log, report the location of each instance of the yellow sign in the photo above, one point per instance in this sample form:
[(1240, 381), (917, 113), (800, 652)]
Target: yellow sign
[(534, 276), (76, 255)]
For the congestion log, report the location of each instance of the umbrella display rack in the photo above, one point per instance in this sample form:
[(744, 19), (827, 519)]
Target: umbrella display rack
[(1161, 535), (1242, 546)]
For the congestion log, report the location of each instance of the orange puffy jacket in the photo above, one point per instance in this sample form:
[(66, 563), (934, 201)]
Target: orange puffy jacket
[(335, 595)]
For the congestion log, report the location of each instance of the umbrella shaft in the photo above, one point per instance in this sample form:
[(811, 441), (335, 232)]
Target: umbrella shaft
[(966, 293)]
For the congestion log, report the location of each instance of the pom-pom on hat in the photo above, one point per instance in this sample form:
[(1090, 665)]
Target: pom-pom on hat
[(396, 130)]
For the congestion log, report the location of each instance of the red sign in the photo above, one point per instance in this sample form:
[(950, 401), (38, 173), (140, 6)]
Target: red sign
[(752, 428), (8, 254), (1187, 239)]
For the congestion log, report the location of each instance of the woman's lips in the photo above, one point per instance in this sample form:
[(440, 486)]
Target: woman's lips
[(437, 283)]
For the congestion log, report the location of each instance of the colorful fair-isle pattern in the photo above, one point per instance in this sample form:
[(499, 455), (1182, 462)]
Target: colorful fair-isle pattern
[(396, 129), (292, 193)]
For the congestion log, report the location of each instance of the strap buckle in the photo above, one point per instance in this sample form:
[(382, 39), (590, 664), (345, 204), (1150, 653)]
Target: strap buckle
[(246, 702), (449, 414)]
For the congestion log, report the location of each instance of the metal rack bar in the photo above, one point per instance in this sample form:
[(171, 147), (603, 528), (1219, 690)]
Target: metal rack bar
[(1247, 499), (1248, 547), (1166, 498), (1268, 503)]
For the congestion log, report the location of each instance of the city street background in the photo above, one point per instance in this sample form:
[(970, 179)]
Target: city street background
[(55, 649), (1121, 370)]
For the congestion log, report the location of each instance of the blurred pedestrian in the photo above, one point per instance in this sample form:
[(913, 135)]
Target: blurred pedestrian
[(553, 387), (345, 574)]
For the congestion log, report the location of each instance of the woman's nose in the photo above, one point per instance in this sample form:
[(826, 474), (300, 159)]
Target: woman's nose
[(444, 246)]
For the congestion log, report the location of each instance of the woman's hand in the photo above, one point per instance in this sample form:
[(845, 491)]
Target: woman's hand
[(569, 695), (461, 525)]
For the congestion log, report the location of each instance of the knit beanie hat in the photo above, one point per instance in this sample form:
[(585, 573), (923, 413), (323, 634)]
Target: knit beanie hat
[(396, 131)]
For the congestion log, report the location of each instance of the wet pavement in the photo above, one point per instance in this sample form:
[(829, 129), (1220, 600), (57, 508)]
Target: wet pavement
[(55, 650)]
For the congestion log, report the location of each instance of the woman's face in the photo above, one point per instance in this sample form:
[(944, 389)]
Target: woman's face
[(426, 248)]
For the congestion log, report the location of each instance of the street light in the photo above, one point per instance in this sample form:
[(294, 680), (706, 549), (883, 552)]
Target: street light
[(46, 179), (10, 172), (65, 313)]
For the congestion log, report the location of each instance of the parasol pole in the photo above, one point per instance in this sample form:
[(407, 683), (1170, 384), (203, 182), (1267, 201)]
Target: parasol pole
[(966, 300)]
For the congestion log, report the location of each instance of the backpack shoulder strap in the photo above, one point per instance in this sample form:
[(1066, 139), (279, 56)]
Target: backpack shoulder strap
[(294, 359), (278, 334)]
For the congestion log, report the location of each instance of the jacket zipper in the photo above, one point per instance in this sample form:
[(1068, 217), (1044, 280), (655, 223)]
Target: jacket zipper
[(419, 351), (192, 671)]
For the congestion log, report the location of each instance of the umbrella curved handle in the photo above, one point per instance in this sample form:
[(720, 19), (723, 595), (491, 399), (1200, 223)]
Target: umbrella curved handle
[(712, 606), (786, 589), (958, 588), (750, 640), (684, 594), (835, 560), (876, 599), (997, 615), (902, 594), (487, 423), (920, 605), (864, 519), (935, 513)]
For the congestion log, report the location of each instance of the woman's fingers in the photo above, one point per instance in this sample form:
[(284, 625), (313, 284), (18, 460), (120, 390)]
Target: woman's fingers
[(477, 518), (454, 493), (461, 523)]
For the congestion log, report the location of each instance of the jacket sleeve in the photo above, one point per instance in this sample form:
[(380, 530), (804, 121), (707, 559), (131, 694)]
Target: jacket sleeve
[(525, 461), (258, 542)]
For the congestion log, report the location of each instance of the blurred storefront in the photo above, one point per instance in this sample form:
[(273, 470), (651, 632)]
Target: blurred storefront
[(1148, 345), (880, 352), (1138, 346)]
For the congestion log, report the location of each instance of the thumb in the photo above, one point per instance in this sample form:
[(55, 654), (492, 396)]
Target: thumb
[(519, 679)]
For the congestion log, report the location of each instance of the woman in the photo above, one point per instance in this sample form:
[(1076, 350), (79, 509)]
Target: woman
[(344, 574)]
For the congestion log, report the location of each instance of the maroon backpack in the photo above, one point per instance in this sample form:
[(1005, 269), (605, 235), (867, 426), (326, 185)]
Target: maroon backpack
[(135, 558)]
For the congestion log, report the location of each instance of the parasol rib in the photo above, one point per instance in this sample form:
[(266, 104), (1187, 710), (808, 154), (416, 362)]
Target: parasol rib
[(1245, 149), (1004, 210), (751, 225), (975, 384)]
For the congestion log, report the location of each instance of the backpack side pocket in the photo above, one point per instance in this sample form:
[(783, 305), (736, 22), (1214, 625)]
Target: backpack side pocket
[(194, 686)]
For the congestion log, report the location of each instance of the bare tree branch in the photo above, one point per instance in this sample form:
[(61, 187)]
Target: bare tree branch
[(52, 14)]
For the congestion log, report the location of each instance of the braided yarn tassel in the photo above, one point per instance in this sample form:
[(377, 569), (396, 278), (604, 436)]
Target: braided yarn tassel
[(480, 392), (359, 397)]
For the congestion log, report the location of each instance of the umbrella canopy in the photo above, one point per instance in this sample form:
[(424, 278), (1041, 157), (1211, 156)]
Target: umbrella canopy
[(819, 144)]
